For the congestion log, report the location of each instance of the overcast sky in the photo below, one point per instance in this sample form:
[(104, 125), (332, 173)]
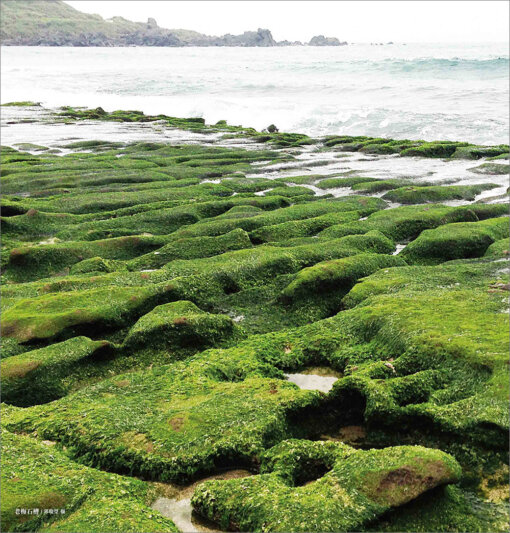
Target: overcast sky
[(353, 21)]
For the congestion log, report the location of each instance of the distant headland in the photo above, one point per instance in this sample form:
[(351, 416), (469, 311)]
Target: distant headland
[(55, 23)]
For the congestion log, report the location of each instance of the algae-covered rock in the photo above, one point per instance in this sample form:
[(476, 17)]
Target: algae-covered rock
[(447, 508), (385, 185), (155, 251), (180, 324), (444, 325), (433, 149), (37, 477), (97, 264), (491, 169), (301, 228), (338, 275), (176, 421), (477, 152), (356, 487), (407, 222), (24, 103), (27, 263), (456, 241), (55, 314), (436, 193), (39, 376), (500, 248), (192, 248)]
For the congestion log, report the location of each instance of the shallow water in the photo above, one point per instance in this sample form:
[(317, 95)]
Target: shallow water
[(176, 503), (44, 130), (352, 435), (398, 248), (417, 91), (418, 169), (49, 132), (316, 378)]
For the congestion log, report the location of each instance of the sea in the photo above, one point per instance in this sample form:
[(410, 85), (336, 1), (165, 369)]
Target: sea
[(428, 91)]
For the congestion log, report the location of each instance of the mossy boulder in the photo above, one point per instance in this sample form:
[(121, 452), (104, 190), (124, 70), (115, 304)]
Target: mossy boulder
[(338, 275), (433, 149), (444, 325), (24, 103), (500, 248), (180, 324), (57, 314), (491, 169), (407, 222), (166, 387), (384, 185), (192, 248), (356, 487), (301, 228), (177, 421), (333, 183), (27, 263), (456, 241), (42, 375), (436, 193), (478, 152), (98, 264)]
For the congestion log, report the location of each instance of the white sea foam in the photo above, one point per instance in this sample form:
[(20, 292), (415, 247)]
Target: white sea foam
[(425, 91)]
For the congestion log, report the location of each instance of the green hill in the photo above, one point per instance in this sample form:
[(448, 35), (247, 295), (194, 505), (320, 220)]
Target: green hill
[(55, 23)]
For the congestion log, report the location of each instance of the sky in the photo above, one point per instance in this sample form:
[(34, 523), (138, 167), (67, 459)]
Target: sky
[(352, 21)]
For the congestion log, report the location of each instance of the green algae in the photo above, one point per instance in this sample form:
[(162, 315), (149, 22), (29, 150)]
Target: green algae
[(436, 149), (165, 413), (25, 103), (331, 183), (436, 193), (192, 248), (97, 264), (36, 476), (358, 487), (57, 314), (337, 275), (195, 292), (499, 248), (180, 323), (491, 169), (446, 509), (398, 303), (42, 375), (407, 222), (301, 228), (384, 185), (456, 241)]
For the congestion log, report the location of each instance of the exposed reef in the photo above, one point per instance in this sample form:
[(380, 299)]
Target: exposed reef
[(241, 327)]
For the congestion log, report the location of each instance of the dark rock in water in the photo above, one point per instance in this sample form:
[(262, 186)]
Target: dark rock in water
[(289, 43), (261, 37), (320, 40)]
